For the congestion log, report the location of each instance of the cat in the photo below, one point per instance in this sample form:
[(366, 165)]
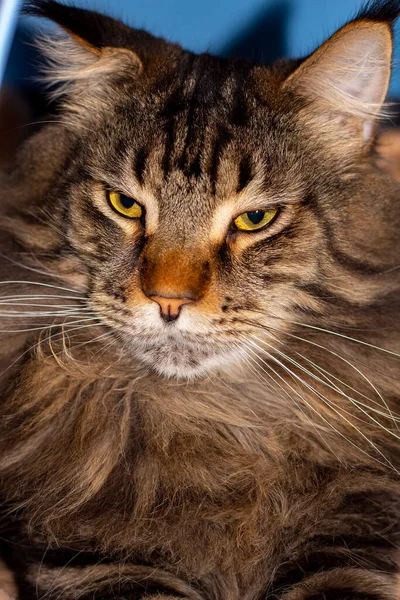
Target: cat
[(200, 323)]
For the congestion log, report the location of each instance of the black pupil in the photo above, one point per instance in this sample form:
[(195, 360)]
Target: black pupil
[(256, 216), (126, 201)]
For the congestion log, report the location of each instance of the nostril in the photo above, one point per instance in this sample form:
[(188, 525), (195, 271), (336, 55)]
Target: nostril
[(170, 308), (169, 316)]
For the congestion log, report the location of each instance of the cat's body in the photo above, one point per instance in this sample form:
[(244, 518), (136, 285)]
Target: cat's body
[(218, 416)]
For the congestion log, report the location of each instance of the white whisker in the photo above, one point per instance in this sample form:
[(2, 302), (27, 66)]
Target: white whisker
[(46, 327), (38, 283), (347, 337), (42, 297), (352, 366), (28, 268), (255, 371), (338, 390), (332, 407), (297, 393)]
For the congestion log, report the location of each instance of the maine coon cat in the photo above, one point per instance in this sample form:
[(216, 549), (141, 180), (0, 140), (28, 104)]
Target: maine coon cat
[(200, 324)]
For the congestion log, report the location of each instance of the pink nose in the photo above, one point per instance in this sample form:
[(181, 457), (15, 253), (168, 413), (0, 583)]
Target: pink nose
[(170, 308)]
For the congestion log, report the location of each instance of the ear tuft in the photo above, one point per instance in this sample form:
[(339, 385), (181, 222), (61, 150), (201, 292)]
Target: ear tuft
[(87, 58), (379, 10), (98, 31), (74, 68)]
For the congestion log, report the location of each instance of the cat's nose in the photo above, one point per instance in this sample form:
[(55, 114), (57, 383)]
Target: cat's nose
[(174, 278), (170, 308)]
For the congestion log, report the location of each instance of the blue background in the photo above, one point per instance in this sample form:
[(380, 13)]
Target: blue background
[(260, 29)]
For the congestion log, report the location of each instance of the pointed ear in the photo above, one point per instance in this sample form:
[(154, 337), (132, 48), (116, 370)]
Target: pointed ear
[(347, 79), (87, 56)]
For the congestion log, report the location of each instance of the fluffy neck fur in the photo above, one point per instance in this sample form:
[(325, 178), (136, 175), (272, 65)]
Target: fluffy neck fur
[(80, 421)]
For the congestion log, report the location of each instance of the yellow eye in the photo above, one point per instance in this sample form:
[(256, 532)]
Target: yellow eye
[(255, 219), (128, 207)]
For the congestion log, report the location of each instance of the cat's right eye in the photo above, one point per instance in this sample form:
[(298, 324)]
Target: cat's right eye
[(124, 205)]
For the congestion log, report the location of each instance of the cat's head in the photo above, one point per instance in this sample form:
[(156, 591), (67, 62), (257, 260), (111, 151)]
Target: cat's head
[(207, 198)]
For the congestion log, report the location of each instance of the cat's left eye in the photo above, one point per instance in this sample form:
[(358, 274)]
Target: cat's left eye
[(255, 219), (124, 205)]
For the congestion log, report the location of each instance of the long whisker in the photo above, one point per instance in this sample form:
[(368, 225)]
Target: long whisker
[(265, 364), (347, 337), (330, 384), (37, 343), (43, 328), (256, 372), (41, 297), (38, 283), (351, 365), (297, 393), (284, 320), (308, 372), (65, 333), (28, 268), (247, 359), (328, 403), (39, 304), (328, 376), (42, 315)]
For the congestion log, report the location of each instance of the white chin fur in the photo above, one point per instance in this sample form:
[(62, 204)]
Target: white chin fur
[(174, 366), (181, 350)]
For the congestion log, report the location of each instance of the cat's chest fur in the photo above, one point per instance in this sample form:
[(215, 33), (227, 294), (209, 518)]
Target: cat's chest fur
[(119, 465)]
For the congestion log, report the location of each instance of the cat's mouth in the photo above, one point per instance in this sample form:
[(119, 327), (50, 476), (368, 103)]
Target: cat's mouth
[(189, 348)]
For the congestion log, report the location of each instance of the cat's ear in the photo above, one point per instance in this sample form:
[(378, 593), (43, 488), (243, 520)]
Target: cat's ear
[(90, 51), (347, 78)]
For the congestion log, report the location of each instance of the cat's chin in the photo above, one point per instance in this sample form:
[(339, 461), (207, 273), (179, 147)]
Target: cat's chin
[(179, 372), (190, 349), (187, 367)]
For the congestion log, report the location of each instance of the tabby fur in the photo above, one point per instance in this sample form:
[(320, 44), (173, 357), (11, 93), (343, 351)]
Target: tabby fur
[(248, 450)]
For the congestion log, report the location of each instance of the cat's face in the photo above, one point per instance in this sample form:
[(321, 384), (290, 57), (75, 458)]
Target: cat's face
[(206, 199), (195, 172)]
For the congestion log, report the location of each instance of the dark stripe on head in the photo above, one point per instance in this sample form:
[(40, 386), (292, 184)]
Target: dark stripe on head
[(288, 233), (245, 173), (92, 213), (140, 164), (194, 168), (240, 115), (382, 304), (189, 160), (174, 106), (222, 139), (169, 142), (351, 263), (194, 138), (319, 292)]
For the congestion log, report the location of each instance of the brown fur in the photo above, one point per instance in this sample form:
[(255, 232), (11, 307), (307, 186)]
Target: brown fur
[(249, 450)]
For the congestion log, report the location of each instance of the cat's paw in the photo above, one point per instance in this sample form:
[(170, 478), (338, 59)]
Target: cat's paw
[(5, 596)]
